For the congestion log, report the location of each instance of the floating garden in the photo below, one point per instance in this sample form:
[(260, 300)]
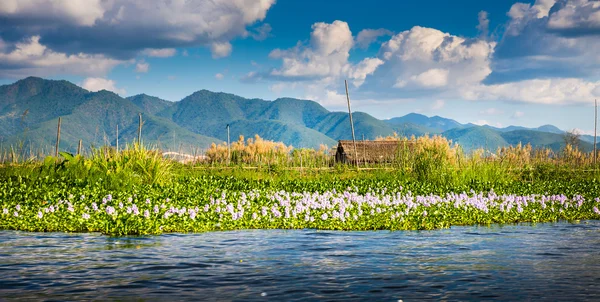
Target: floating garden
[(137, 192)]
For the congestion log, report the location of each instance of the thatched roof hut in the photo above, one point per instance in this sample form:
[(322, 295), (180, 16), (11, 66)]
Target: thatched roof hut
[(370, 151)]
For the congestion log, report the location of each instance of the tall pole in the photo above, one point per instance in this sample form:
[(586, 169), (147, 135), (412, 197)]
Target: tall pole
[(79, 148), (57, 138), (140, 132), (228, 146), (351, 122), (595, 127), (117, 138)]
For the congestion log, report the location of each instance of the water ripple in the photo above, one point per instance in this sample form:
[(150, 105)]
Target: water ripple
[(556, 261)]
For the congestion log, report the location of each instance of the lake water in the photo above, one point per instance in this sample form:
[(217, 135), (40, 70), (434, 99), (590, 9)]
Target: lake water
[(557, 261)]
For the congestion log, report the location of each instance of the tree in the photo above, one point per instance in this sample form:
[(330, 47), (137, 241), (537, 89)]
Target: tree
[(572, 137)]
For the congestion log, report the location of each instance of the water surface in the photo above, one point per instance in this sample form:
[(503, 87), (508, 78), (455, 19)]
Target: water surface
[(557, 261)]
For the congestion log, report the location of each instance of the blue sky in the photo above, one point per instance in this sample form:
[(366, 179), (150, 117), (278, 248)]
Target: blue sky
[(495, 62)]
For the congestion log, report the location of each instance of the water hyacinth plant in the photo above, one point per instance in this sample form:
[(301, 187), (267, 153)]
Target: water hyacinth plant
[(333, 210)]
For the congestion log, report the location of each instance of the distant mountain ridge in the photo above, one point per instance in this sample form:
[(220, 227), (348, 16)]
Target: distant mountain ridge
[(29, 110)]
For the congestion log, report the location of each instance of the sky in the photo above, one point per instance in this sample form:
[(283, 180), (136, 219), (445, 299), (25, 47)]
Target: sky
[(500, 62)]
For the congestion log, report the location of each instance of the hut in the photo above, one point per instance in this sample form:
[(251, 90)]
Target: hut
[(369, 151)]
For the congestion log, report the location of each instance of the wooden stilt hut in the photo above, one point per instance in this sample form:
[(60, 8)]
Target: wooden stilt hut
[(368, 151)]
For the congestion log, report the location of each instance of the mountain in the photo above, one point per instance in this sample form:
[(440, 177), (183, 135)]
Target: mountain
[(434, 124), (30, 108), (300, 123), (149, 104), (476, 137)]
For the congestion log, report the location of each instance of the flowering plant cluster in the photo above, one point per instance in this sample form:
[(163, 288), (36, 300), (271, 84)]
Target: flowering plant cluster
[(338, 210)]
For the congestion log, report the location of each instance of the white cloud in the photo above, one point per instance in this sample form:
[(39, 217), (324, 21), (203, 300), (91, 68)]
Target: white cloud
[(325, 58), (97, 84), (90, 25), (219, 76), (438, 104), (549, 39), (77, 12), (142, 67), (426, 58), (576, 15), (367, 36), (159, 52), (30, 57), (220, 49), (539, 91)]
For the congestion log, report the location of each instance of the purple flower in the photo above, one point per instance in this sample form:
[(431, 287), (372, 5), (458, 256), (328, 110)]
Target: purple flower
[(40, 214), (18, 207), (156, 209), (129, 199), (120, 205), (254, 216), (128, 210), (192, 214), (94, 206), (16, 214), (5, 211), (109, 197), (146, 214), (596, 211), (85, 216), (147, 201), (82, 197), (110, 210), (324, 216), (103, 200), (424, 213)]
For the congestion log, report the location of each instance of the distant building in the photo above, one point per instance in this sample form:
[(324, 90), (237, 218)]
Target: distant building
[(371, 151)]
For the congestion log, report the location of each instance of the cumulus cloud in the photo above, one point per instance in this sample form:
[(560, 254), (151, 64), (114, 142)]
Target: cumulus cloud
[(30, 57), (142, 67), (426, 58), (367, 36), (325, 58), (74, 12), (97, 84), (123, 28), (549, 39)]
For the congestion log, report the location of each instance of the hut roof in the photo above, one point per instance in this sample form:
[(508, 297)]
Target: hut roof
[(369, 151)]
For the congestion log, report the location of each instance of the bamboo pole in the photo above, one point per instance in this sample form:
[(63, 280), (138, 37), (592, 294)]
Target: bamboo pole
[(228, 147), (140, 132), (595, 127), (117, 138), (79, 148), (57, 138), (351, 122)]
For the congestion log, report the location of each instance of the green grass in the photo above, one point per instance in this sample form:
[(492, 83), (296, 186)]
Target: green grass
[(429, 193)]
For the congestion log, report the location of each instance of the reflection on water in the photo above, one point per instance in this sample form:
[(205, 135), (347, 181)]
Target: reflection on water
[(557, 261)]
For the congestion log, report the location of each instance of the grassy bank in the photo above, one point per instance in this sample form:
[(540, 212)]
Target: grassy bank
[(136, 191)]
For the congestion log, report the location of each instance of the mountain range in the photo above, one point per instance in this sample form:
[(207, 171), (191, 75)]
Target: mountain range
[(30, 108)]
